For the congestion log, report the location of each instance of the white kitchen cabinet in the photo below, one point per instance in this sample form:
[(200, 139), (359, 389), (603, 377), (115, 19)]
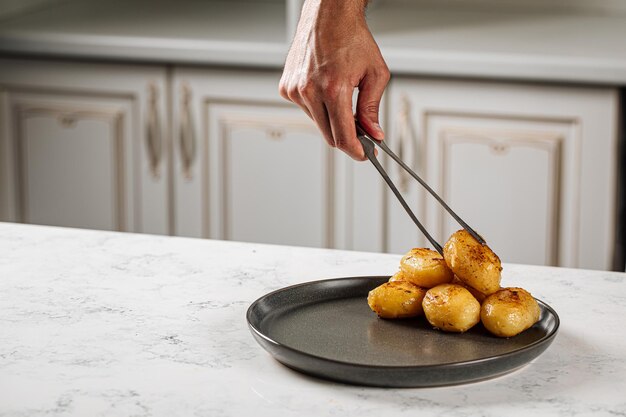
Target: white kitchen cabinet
[(531, 167), (249, 166), (84, 145)]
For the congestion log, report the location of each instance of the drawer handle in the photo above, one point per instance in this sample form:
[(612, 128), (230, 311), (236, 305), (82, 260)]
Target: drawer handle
[(405, 141), (153, 132), (187, 141)]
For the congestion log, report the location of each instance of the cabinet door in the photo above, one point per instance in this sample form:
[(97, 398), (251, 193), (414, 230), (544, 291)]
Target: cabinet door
[(83, 145), (248, 166), (532, 168)]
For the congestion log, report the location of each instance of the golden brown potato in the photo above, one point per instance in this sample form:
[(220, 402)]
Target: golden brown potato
[(509, 311), (425, 268), (479, 296), (397, 299), (398, 276), (451, 308), (475, 264)]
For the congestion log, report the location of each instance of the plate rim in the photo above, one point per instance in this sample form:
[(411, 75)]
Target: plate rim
[(515, 352)]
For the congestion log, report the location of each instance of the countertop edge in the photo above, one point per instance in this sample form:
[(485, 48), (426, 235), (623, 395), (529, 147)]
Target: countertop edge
[(401, 61), (148, 50)]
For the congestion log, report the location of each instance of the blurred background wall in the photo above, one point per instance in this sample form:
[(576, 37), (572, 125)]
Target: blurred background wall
[(10, 8)]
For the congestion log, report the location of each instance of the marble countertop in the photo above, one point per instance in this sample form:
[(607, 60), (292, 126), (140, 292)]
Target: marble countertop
[(110, 324), (415, 39)]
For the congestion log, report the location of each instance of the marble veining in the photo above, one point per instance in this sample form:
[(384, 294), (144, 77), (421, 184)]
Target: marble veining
[(111, 324)]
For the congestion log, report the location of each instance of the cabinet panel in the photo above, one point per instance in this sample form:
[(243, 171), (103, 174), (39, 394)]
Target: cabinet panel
[(531, 167), (267, 194), (523, 196), (84, 145), (249, 166), (71, 167)]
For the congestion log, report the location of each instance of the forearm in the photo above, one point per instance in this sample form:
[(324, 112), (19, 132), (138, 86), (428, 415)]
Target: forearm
[(337, 13), (332, 7)]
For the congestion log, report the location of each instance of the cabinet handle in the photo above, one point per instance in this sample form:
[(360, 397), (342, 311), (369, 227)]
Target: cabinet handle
[(187, 141), (405, 141), (153, 131)]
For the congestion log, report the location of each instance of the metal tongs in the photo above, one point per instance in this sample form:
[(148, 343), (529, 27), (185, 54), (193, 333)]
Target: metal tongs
[(369, 144)]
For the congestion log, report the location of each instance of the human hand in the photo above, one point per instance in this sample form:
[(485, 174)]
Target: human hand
[(333, 52)]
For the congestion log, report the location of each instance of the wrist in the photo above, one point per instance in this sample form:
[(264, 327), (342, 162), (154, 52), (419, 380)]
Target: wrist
[(345, 6), (334, 9)]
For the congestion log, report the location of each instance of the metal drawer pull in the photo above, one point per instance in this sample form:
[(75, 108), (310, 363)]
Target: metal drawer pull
[(153, 131), (187, 141), (404, 141)]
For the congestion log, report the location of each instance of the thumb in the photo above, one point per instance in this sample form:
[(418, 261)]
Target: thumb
[(371, 91)]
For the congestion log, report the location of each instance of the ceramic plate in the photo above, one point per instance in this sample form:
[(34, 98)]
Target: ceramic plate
[(326, 329)]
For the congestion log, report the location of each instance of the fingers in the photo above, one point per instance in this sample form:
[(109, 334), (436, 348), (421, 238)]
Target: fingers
[(297, 99), (309, 101), (339, 105), (320, 116), (330, 106), (290, 93), (371, 91)]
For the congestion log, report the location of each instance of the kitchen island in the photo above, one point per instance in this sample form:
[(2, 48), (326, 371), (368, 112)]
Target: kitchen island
[(112, 324)]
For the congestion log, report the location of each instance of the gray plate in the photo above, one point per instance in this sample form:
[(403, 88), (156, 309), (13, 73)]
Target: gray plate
[(326, 329)]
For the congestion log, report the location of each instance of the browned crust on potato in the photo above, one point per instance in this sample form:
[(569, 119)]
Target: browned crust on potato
[(475, 264), (509, 312), (425, 267), (389, 300)]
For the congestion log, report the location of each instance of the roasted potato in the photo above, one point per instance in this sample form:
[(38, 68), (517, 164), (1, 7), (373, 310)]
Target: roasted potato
[(475, 264), (425, 268), (398, 299), (451, 308), (479, 296), (398, 276), (509, 311)]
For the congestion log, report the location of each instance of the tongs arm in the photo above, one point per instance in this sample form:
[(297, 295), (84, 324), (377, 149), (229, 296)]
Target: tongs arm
[(369, 144), (368, 148)]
